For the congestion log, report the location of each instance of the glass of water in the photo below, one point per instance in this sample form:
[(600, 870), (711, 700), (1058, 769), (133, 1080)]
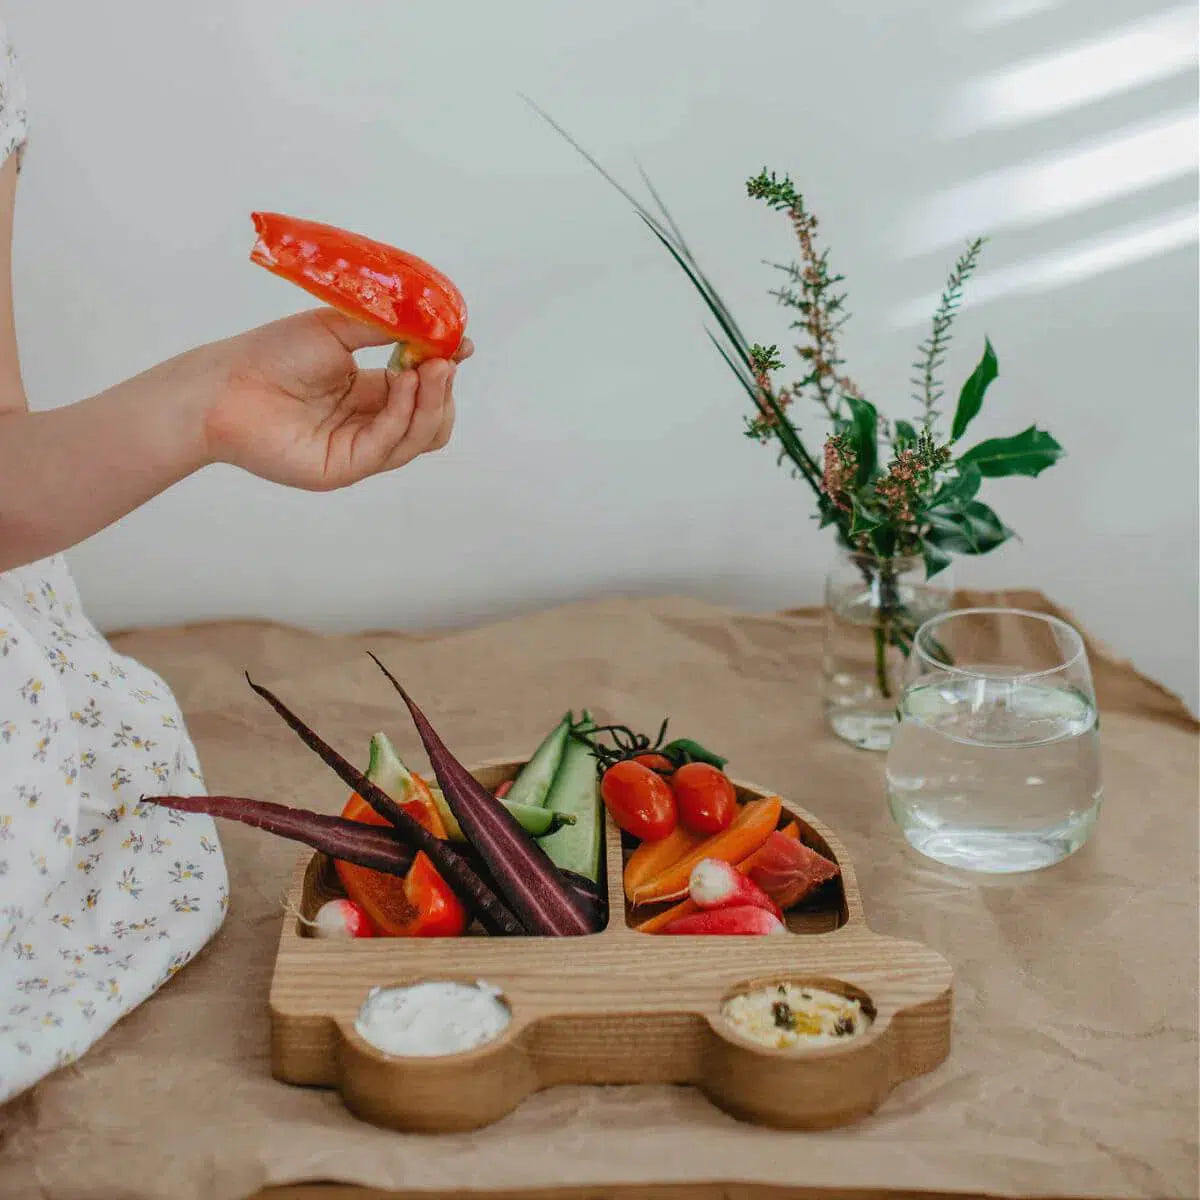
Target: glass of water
[(995, 763)]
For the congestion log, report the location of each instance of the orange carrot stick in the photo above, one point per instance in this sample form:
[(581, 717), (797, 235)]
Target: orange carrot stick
[(651, 858), (686, 907), (751, 827)]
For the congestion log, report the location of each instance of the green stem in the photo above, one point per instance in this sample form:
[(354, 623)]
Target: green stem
[(400, 359), (881, 671), (889, 610)]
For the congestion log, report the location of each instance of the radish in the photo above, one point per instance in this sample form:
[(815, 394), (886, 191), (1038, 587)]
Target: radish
[(744, 919), (715, 883), (338, 919), (342, 919)]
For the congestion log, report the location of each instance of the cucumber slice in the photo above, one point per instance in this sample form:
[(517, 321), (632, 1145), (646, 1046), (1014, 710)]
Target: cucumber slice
[(578, 847), (534, 820), (533, 783), (386, 770)]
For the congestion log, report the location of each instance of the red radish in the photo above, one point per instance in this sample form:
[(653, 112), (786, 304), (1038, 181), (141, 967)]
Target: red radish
[(341, 919), (715, 883), (743, 920), (788, 870)]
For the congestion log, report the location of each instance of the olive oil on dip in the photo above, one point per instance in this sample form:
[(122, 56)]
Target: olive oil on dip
[(793, 1016)]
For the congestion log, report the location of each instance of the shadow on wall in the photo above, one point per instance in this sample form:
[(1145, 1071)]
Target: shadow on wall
[(1099, 157)]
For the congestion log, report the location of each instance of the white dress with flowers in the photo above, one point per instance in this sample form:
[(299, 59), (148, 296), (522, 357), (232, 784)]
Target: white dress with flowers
[(102, 899)]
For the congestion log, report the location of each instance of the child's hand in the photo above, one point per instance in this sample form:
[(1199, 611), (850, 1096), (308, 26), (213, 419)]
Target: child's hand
[(293, 406)]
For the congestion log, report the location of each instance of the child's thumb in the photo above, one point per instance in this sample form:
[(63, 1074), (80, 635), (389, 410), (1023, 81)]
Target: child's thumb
[(352, 333)]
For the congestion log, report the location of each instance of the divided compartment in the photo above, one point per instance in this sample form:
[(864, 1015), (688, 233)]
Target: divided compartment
[(614, 1007), (825, 911)]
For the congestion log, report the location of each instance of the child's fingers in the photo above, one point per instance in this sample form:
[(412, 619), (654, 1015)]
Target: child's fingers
[(427, 413), (375, 442), (442, 437), (464, 351)]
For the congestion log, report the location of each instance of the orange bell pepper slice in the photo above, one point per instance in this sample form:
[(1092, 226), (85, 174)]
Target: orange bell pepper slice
[(686, 907), (755, 821), (652, 858), (400, 294)]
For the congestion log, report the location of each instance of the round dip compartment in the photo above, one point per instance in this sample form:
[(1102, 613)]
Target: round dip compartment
[(433, 1018), (797, 1015)]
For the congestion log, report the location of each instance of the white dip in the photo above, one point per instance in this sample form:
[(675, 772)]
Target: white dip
[(428, 1019), (791, 1015)]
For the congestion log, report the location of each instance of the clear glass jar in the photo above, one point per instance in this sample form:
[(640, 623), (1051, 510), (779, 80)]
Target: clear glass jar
[(873, 609)]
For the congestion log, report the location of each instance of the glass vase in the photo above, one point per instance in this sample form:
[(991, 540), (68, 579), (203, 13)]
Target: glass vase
[(873, 609)]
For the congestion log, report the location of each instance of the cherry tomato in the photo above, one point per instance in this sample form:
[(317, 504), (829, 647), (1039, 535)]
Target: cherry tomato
[(658, 763), (704, 798), (638, 800)]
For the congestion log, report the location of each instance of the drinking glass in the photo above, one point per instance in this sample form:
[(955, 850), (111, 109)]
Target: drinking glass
[(995, 762)]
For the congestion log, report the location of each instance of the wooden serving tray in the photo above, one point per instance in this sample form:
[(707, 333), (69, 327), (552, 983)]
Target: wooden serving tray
[(614, 1007)]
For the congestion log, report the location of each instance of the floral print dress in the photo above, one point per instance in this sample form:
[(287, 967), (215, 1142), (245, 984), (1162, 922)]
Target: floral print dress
[(102, 899)]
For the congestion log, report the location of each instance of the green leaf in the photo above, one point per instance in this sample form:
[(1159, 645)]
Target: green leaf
[(1027, 453), (963, 487), (970, 528), (863, 433), (936, 559), (970, 399), (864, 520), (906, 435), (684, 750)]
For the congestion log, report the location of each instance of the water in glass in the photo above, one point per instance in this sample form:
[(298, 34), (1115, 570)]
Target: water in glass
[(995, 766)]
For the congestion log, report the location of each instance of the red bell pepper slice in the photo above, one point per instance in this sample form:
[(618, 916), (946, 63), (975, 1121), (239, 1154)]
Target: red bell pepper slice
[(402, 295), (435, 910)]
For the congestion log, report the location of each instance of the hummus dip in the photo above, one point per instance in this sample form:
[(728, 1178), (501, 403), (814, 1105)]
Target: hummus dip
[(791, 1015)]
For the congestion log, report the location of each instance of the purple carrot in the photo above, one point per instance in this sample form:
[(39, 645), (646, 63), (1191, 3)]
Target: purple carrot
[(373, 846), (493, 914), (521, 869), (370, 846)]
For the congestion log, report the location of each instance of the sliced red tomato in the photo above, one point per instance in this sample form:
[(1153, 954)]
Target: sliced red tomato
[(705, 798), (638, 800)]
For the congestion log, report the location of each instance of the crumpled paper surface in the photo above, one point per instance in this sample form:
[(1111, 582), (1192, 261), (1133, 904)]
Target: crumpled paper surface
[(1074, 1065)]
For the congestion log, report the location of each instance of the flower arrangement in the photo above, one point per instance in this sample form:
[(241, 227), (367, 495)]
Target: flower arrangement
[(892, 489)]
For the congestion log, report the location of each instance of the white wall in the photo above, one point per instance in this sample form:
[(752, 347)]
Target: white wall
[(599, 443)]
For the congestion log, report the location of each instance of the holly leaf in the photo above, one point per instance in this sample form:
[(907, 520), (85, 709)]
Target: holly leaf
[(961, 488), (862, 431), (969, 528), (864, 520), (1027, 453), (970, 399), (936, 559)]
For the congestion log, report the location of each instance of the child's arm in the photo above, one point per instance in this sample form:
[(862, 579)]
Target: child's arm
[(285, 401)]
